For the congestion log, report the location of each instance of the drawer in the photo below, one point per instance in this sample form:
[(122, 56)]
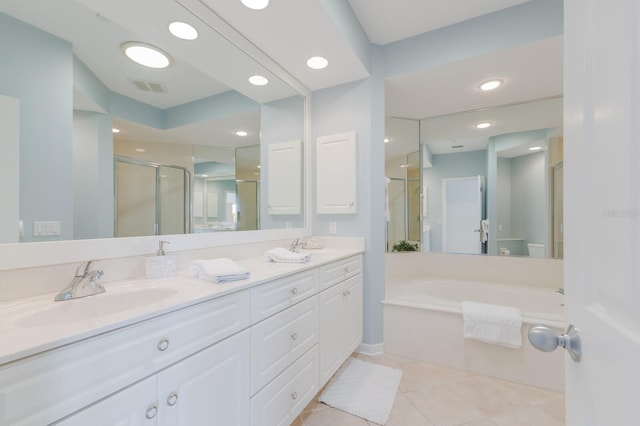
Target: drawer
[(273, 297), (282, 400), (42, 388), (281, 339), (337, 271)]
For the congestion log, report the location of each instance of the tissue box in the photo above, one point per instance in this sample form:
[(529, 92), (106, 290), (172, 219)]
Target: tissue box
[(161, 266)]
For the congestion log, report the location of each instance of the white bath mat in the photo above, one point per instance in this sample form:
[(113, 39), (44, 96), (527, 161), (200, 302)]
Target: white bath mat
[(363, 389)]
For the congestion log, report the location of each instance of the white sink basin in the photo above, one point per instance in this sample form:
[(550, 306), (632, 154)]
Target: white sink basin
[(93, 307)]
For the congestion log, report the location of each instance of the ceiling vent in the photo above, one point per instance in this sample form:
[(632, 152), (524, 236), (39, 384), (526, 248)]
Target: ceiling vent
[(149, 86)]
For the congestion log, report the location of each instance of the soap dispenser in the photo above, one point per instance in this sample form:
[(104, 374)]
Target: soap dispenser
[(161, 265)]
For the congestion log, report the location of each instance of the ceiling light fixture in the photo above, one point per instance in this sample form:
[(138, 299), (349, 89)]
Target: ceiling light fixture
[(258, 80), (317, 62), (404, 166), (241, 133), (387, 140), (140, 150), (483, 125), (114, 130), (146, 55), (255, 4), (535, 148), (490, 85), (183, 30)]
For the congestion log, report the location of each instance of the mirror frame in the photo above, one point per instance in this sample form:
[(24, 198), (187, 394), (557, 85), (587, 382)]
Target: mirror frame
[(34, 254)]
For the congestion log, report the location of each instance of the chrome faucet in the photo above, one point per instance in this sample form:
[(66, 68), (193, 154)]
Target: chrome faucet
[(295, 245), (560, 290), (83, 283)]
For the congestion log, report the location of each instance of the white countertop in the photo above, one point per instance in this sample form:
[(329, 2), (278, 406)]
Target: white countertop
[(23, 337)]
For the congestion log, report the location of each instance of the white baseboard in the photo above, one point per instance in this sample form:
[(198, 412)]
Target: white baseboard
[(366, 349)]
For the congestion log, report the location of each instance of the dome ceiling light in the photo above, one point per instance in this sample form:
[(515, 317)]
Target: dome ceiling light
[(183, 31), (490, 85), (146, 55), (255, 4)]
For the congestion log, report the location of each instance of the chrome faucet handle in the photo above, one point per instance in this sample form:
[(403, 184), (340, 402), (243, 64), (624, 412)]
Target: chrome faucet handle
[(85, 267), (560, 290)]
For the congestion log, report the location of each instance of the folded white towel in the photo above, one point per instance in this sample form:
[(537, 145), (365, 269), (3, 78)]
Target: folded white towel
[(492, 323), (282, 255), (218, 270)]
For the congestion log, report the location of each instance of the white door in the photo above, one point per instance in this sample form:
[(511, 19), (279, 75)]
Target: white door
[(461, 215), (602, 209)]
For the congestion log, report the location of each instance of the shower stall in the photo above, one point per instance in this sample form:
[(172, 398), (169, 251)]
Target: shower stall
[(150, 198)]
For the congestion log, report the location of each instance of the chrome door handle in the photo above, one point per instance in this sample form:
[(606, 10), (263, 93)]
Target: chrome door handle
[(544, 339)]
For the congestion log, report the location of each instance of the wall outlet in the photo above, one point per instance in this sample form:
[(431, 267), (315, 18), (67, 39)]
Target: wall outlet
[(333, 228)]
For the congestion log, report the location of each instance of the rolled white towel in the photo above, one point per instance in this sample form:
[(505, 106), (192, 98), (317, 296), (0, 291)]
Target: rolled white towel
[(218, 270), (282, 255)]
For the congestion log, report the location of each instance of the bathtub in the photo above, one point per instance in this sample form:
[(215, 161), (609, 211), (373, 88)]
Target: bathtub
[(423, 320)]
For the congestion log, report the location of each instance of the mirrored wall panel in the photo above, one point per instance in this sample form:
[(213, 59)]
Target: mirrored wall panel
[(109, 147)]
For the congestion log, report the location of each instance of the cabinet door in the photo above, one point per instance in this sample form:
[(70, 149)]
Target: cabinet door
[(133, 406), (353, 330), (208, 388), (332, 323), (336, 174), (284, 177)]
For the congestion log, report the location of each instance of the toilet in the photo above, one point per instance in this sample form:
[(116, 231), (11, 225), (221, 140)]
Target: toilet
[(535, 249)]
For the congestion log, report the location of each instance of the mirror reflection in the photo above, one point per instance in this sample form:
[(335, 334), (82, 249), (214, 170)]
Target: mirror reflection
[(108, 147)]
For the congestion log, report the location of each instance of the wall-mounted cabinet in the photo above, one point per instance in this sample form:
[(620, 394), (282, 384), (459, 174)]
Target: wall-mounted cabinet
[(284, 178), (336, 174)]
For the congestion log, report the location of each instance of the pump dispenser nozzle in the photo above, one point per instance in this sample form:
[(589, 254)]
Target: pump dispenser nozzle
[(161, 251)]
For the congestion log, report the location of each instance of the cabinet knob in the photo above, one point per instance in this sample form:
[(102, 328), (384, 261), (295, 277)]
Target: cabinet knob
[(152, 411), (346, 269), (294, 291), (294, 395), (351, 204), (347, 293), (294, 336), (163, 345), (172, 399)]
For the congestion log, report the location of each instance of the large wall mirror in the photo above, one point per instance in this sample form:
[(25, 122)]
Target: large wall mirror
[(493, 188), (110, 148)]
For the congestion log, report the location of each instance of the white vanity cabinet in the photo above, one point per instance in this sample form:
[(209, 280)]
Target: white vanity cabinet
[(210, 387), (340, 315), (46, 387)]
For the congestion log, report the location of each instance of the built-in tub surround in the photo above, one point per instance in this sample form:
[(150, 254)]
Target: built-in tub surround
[(423, 317)]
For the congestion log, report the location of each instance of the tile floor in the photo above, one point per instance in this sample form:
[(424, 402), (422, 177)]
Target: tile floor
[(431, 395)]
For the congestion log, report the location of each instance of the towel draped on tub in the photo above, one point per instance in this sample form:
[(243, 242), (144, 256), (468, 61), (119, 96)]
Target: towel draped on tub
[(492, 323)]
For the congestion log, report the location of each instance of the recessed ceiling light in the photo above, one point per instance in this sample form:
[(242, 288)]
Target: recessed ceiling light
[(483, 125), (490, 85), (535, 148), (317, 62), (258, 80), (241, 133), (140, 150), (255, 4), (183, 30), (387, 140), (114, 130), (404, 166), (146, 54)]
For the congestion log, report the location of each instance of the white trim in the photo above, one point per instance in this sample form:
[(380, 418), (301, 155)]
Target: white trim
[(371, 350)]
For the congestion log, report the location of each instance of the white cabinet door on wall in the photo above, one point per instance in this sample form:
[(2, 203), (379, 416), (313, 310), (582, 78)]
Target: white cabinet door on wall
[(284, 178), (336, 174)]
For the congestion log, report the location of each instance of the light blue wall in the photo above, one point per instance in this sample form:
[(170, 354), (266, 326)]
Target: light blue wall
[(39, 73), (359, 107), (529, 198), (445, 166), (496, 144), (280, 121)]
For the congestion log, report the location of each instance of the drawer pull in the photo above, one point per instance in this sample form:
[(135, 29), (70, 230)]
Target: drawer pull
[(294, 396), (163, 345), (346, 269), (294, 336), (294, 291), (172, 399), (347, 293), (152, 411)]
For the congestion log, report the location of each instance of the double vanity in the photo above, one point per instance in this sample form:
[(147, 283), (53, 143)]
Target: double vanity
[(183, 351)]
